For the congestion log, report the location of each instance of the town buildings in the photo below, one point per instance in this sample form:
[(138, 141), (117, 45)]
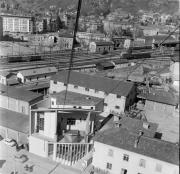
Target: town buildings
[(117, 95), (120, 151)]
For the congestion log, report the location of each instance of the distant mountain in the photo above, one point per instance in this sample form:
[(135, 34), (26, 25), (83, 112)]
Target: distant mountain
[(102, 6)]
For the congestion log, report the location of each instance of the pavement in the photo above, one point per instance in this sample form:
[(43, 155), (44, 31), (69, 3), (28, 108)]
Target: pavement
[(9, 164)]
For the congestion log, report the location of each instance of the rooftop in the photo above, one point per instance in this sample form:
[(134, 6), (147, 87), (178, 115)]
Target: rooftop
[(151, 147), (14, 120), (133, 125), (73, 98), (38, 71), (5, 73), (18, 94), (160, 96), (95, 82)]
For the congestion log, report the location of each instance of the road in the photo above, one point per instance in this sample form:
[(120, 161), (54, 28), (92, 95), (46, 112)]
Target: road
[(39, 165)]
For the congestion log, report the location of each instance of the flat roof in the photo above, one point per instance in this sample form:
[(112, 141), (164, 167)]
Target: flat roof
[(147, 146), (19, 94), (98, 83), (14, 120), (73, 98)]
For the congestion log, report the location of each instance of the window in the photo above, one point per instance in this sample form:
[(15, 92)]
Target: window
[(158, 167), (109, 166), (71, 121), (92, 107), (23, 109), (110, 152), (65, 84), (142, 163), (123, 171), (37, 78), (74, 106), (30, 79), (117, 107), (75, 86), (87, 89), (41, 123), (126, 157), (45, 77), (96, 91), (105, 104), (80, 107), (118, 96), (52, 102)]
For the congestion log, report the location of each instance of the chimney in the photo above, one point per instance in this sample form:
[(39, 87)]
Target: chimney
[(146, 125), (138, 138)]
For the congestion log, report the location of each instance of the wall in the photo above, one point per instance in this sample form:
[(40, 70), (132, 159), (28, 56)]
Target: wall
[(14, 104), (110, 99), (38, 146), (20, 137), (101, 157), (3, 80)]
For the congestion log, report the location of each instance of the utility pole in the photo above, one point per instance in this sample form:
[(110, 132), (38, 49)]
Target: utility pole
[(73, 45)]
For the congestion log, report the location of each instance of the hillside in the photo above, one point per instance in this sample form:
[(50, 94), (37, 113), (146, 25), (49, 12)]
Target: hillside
[(102, 6)]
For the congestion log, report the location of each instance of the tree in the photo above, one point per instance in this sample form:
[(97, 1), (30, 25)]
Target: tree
[(59, 24)]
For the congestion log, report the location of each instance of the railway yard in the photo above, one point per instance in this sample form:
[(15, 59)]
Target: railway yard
[(80, 59)]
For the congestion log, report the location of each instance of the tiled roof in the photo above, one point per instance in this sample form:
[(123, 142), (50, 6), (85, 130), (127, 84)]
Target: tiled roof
[(18, 94), (95, 82), (151, 147), (132, 125), (14, 120), (73, 98), (38, 71), (160, 96)]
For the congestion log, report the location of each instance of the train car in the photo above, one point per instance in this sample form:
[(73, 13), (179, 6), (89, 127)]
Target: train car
[(13, 59), (35, 58), (141, 55)]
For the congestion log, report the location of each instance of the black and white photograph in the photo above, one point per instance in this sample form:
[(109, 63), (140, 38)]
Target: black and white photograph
[(89, 86)]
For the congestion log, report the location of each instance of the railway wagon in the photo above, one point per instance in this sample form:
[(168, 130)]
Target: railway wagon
[(35, 58), (13, 59), (130, 56)]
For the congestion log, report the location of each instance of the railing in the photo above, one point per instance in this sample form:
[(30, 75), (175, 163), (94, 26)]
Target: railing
[(69, 153)]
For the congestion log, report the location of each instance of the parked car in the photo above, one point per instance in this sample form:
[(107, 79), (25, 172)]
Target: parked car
[(9, 142)]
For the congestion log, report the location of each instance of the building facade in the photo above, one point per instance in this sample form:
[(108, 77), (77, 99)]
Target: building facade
[(100, 47), (17, 100), (118, 151), (16, 24)]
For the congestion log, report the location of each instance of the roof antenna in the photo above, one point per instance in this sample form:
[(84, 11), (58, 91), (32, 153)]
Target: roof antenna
[(72, 50)]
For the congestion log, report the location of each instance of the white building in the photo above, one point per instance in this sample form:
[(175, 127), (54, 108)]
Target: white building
[(36, 74), (14, 23), (117, 95), (117, 151), (174, 69)]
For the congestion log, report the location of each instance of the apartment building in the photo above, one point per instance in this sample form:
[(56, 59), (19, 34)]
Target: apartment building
[(118, 151), (16, 24), (117, 95)]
